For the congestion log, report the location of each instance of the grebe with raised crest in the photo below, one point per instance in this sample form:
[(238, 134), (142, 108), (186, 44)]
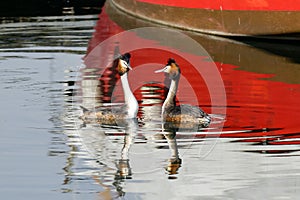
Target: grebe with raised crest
[(129, 110), (183, 114)]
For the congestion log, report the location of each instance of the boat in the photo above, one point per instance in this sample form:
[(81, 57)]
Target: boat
[(255, 18), (267, 71)]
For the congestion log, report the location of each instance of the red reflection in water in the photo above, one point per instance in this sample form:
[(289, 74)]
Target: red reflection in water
[(266, 108), (258, 103), (104, 29)]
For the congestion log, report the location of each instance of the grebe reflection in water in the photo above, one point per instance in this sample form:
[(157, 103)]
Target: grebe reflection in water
[(184, 114), (127, 111), (174, 163)]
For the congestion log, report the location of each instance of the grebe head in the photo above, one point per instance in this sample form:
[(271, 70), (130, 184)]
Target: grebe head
[(123, 64), (171, 68)]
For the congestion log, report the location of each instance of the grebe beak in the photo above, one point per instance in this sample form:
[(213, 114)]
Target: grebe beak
[(160, 70), (129, 66), (165, 69)]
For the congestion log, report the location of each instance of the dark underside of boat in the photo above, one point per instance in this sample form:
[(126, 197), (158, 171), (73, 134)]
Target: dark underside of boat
[(14, 8)]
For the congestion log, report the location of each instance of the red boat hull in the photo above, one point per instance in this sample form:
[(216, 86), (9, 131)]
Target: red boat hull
[(266, 5), (226, 17)]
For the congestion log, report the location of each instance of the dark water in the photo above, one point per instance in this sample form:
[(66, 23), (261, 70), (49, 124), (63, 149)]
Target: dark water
[(47, 69)]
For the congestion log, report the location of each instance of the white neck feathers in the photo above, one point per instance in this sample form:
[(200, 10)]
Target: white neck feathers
[(169, 101), (130, 100)]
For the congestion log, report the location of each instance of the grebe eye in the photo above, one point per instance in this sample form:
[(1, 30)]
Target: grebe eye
[(127, 65), (124, 63), (167, 69)]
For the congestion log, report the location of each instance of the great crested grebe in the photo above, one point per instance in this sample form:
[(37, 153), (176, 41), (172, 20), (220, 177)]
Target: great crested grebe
[(183, 114), (127, 111)]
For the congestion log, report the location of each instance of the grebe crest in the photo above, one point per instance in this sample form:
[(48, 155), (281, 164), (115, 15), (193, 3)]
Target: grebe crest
[(183, 115), (127, 111), (172, 69)]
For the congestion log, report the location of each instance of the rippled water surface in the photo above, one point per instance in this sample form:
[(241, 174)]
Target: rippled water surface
[(50, 66)]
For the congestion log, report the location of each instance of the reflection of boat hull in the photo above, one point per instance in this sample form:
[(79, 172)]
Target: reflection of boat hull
[(228, 17)]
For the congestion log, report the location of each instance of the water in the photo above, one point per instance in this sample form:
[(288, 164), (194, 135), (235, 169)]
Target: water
[(48, 152)]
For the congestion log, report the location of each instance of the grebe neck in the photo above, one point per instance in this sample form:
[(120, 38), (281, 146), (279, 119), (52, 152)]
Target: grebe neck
[(130, 100), (169, 102)]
